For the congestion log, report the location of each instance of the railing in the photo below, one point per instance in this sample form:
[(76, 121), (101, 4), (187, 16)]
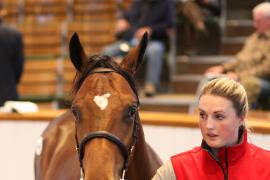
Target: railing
[(257, 121)]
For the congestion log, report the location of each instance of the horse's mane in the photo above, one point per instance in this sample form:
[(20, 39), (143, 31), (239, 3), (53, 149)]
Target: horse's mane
[(102, 61)]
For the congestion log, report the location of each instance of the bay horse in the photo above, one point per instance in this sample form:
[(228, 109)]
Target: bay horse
[(101, 136)]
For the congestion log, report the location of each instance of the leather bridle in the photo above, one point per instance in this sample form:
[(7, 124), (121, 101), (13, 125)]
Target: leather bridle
[(125, 151)]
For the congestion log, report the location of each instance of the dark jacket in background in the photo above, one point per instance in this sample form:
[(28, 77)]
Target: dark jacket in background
[(156, 14), (11, 62)]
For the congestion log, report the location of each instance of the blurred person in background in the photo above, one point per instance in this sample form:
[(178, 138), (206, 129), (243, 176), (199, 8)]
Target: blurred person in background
[(11, 59), (192, 14), (155, 17), (251, 66), (210, 7)]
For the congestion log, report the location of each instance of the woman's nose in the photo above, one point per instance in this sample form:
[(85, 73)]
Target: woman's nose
[(210, 124)]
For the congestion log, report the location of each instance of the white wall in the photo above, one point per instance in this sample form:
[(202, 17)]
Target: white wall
[(18, 140), (17, 146), (168, 141)]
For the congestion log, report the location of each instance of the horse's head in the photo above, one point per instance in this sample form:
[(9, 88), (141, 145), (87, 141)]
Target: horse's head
[(105, 109)]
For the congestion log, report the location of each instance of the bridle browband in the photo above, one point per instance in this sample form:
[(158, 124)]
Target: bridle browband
[(126, 151)]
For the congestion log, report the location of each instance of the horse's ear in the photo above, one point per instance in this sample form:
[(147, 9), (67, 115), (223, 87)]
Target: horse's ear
[(134, 58), (76, 52)]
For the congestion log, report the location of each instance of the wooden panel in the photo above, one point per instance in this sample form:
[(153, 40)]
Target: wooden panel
[(42, 39), (40, 78), (12, 11), (92, 27), (41, 50), (96, 7), (37, 90), (46, 1), (82, 17), (94, 10), (101, 39), (50, 10), (68, 76), (93, 35), (68, 88), (68, 64), (46, 65), (41, 65)]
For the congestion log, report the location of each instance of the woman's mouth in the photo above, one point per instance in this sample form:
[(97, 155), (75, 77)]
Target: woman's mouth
[(211, 135)]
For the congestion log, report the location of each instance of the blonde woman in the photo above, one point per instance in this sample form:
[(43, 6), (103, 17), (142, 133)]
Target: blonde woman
[(224, 152)]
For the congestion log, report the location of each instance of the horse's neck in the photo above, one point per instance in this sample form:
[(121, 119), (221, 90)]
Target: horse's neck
[(145, 161)]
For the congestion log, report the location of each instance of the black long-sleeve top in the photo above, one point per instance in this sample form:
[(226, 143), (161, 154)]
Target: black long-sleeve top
[(11, 62), (159, 15)]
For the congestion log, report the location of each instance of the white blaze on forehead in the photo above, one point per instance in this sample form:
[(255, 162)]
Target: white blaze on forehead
[(102, 101), (39, 145)]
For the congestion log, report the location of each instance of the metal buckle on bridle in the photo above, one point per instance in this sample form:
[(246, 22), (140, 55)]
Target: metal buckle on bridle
[(82, 174), (123, 175)]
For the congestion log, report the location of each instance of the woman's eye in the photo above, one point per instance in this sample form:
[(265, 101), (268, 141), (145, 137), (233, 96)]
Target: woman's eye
[(202, 115), (219, 117)]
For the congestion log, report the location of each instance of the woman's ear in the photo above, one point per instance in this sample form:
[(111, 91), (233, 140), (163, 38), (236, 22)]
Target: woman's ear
[(242, 119)]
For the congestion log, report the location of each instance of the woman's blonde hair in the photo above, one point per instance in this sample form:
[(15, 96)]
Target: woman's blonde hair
[(229, 89)]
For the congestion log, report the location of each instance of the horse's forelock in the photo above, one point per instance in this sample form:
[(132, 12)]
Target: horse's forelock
[(93, 62)]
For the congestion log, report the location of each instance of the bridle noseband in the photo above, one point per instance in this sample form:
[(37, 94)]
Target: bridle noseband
[(126, 152)]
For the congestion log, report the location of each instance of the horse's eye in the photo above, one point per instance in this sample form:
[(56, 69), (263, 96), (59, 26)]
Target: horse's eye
[(75, 113), (132, 111)]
